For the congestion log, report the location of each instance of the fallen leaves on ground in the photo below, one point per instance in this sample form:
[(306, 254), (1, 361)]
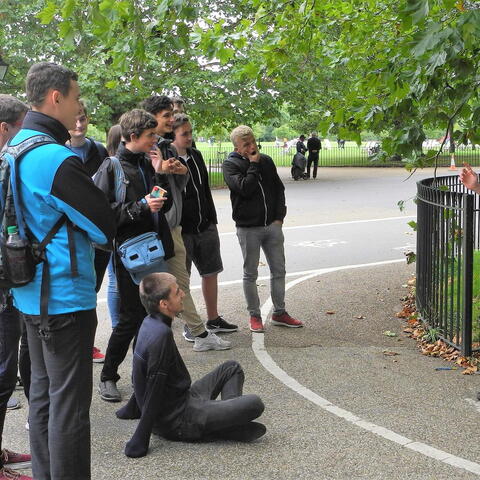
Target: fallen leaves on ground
[(330, 312), (389, 353), (359, 317), (415, 329)]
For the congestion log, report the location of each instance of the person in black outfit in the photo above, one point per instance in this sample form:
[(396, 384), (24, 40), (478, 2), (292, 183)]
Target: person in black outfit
[(139, 213), (165, 400), (314, 146), (301, 148)]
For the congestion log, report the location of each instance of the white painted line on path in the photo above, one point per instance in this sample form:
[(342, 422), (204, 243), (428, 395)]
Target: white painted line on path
[(349, 222), (258, 346)]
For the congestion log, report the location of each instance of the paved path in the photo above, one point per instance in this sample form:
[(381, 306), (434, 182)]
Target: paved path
[(337, 407)]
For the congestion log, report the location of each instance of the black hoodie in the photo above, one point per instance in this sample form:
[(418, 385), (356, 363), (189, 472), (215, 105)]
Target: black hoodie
[(256, 191)]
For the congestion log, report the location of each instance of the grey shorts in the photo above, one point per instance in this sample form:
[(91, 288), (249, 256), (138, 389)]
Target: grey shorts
[(203, 249)]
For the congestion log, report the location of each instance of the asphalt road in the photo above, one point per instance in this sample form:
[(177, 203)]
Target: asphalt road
[(337, 407)]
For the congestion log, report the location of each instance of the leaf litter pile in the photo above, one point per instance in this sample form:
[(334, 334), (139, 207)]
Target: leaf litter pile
[(417, 330)]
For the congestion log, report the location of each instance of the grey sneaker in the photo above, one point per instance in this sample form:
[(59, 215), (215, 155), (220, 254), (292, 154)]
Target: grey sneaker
[(187, 334), (109, 391), (13, 403), (210, 342)]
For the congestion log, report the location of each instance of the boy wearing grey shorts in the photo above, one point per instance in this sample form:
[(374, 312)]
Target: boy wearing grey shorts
[(199, 224)]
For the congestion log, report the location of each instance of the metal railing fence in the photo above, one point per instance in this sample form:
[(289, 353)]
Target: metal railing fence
[(448, 279)]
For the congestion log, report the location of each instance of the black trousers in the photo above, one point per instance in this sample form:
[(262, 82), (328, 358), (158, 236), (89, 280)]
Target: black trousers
[(9, 336), (205, 418), (312, 158), (132, 314), (60, 394)]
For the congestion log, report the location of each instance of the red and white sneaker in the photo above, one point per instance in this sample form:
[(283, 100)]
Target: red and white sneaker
[(285, 320), (8, 474), (97, 356), (9, 457), (256, 325)]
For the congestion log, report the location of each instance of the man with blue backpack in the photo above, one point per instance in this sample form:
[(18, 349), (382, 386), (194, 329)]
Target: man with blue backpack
[(62, 210), (12, 113)]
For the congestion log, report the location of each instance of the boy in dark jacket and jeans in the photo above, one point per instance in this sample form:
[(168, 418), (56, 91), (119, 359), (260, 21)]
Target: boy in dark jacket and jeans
[(138, 214), (258, 204)]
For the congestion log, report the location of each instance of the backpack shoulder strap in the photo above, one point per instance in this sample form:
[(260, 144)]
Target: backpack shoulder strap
[(16, 151), (120, 180)]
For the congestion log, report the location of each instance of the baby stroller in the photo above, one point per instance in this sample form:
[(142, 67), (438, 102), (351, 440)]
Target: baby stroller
[(299, 163)]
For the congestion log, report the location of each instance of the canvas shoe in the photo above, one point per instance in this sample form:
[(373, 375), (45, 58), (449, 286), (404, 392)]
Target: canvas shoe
[(187, 334), (8, 474), (9, 457), (220, 325), (285, 320), (13, 403), (109, 391), (97, 356), (256, 325), (210, 342)]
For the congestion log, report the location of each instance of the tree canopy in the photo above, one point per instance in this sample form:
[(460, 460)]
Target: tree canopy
[(337, 66)]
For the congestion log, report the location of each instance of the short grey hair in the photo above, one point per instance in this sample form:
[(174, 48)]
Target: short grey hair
[(153, 288), (242, 131), (11, 109)]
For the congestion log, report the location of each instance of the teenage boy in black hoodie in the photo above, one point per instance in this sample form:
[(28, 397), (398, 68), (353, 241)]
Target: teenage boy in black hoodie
[(199, 223), (139, 213), (258, 203), (165, 400)]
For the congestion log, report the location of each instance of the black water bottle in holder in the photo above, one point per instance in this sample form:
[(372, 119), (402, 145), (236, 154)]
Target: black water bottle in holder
[(19, 261)]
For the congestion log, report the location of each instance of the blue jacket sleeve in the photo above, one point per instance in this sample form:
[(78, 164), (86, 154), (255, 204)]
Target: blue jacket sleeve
[(74, 194)]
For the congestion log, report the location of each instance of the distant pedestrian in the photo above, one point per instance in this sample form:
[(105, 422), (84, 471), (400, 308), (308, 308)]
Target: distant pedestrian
[(301, 148), (258, 208), (314, 146)]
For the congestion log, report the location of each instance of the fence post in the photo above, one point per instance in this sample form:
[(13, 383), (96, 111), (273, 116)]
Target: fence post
[(467, 247)]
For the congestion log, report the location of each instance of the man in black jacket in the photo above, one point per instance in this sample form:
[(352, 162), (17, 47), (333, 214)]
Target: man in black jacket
[(199, 224), (258, 203), (137, 214), (165, 400), (314, 146)]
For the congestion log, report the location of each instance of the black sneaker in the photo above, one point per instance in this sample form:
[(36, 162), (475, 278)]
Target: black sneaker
[(220, 325), (109, 392), (187, 334)]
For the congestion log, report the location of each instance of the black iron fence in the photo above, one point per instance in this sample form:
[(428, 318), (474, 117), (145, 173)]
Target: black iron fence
[(335, 156), (448, 261)]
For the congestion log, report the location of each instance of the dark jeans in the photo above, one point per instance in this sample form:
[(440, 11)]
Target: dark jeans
[(131, 317), (205, 417), (24, 365), (9, 336), (60, 394), (312, 157)]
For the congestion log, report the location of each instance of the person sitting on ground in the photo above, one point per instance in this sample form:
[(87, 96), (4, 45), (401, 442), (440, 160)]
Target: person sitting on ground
[(164, 398), (199, 224)]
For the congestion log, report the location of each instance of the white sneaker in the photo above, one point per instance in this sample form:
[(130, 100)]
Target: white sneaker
[(210, 342)]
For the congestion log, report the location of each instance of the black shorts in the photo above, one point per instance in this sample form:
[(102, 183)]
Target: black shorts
[(203, 249)]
